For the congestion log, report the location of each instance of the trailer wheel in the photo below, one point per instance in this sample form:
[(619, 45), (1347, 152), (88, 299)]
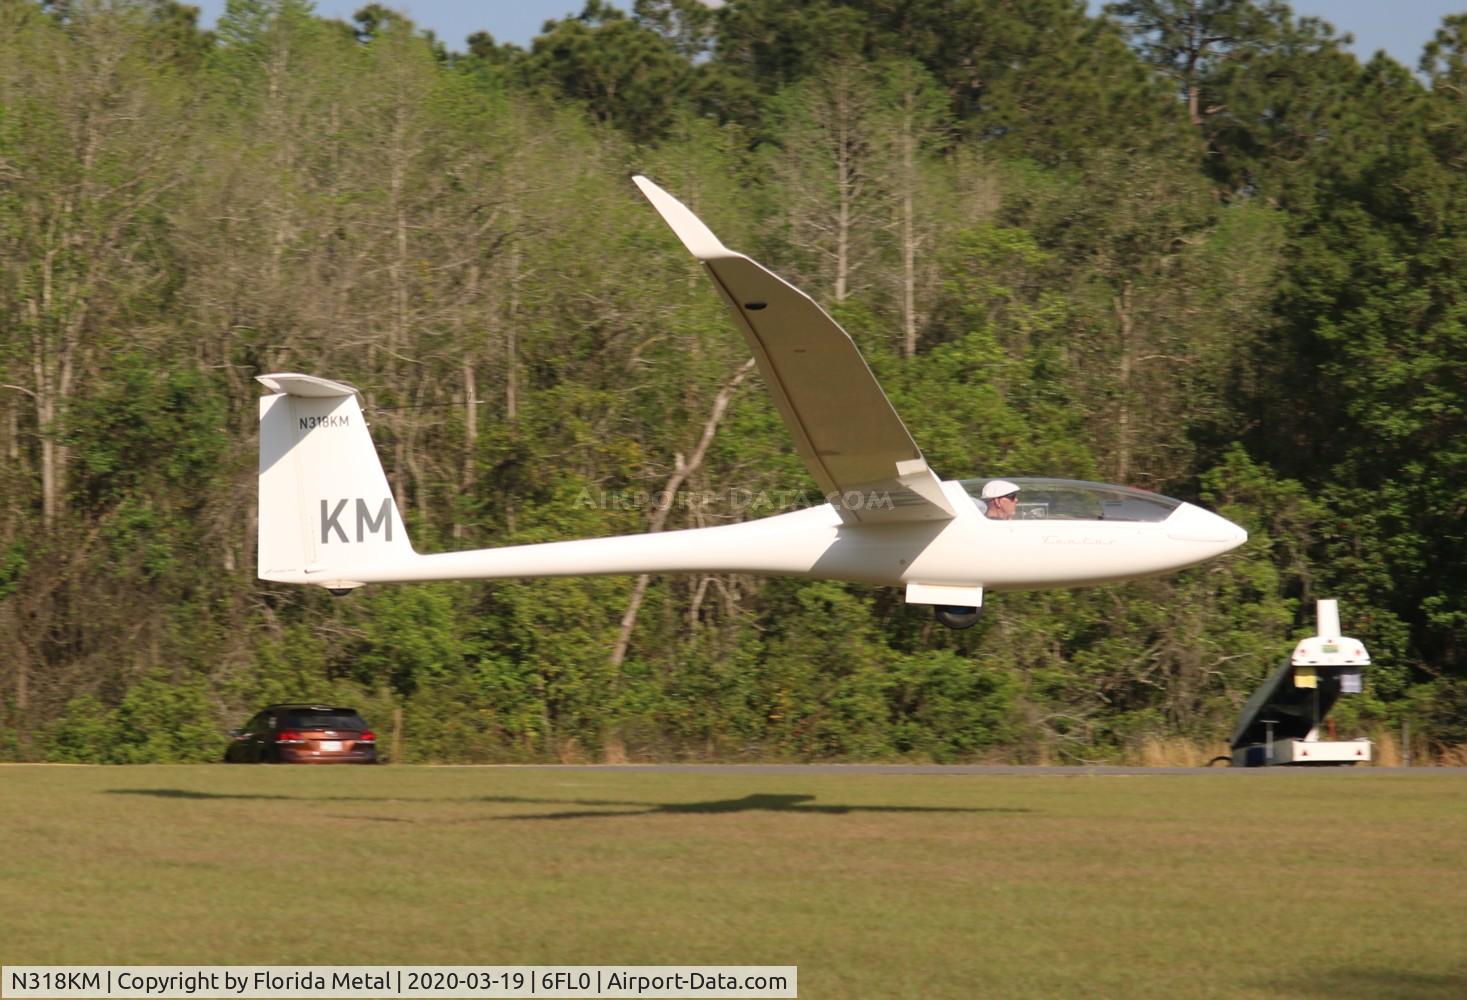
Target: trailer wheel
[(1222, 760)]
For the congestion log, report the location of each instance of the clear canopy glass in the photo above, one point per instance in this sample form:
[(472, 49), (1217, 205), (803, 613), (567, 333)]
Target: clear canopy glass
[(1076, 500)]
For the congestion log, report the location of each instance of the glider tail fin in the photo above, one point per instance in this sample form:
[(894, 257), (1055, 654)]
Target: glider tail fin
[(325, 506)]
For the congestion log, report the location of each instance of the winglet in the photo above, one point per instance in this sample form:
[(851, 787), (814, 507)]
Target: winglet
[(696, 236)]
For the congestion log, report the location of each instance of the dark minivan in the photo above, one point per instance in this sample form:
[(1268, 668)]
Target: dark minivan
[(303, 734)]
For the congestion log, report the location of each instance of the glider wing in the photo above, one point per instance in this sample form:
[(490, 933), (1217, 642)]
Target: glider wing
[(844, 428)]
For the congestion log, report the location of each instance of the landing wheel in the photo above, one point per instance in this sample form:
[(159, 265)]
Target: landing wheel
[(957, 617)]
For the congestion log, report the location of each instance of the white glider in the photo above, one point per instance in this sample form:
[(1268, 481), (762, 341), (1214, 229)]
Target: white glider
[(328, 518)]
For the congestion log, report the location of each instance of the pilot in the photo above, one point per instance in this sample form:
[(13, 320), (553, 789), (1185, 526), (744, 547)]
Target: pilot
[(1000, 499)]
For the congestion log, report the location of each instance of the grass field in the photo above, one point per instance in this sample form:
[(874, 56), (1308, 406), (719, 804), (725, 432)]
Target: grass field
[(1223, 884)]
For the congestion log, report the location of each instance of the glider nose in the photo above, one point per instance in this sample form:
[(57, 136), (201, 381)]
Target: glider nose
[(1193, 524)]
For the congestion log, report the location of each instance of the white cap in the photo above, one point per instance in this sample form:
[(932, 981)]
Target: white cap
[(996, 488)]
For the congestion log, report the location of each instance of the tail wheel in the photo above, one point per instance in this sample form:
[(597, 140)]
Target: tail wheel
[(957, 617)]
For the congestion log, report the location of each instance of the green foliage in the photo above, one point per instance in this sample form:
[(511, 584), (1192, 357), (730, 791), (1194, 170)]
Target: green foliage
[(1440, 708), (158, 721), (83, 734), (148, 431), (1192, 246), (12, 569), (162, 721), (408, 637), (289, 667), (823, 673), (626, 74), (945, 709)]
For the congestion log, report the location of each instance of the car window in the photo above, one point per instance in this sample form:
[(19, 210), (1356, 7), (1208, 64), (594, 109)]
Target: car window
[(325, 720)]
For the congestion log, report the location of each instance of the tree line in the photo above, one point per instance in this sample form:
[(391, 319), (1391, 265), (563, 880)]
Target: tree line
[(1197, 248)]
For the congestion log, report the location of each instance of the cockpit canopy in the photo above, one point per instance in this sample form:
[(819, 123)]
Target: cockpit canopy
[(1076, 500)]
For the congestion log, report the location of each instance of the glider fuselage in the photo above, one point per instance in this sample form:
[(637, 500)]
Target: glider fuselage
[(967, 551)]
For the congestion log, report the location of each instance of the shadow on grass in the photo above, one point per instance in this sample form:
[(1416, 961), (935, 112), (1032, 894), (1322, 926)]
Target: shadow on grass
[(1373, 984), (184, 793), (749, 803)]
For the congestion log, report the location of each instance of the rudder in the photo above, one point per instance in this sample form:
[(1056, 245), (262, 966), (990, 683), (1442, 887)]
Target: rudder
[(324, 502)]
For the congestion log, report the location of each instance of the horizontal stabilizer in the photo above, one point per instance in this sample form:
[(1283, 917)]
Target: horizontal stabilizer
[(308, 386)]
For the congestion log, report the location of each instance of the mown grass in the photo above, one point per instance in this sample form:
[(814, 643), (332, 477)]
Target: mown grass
[(1220, 884)]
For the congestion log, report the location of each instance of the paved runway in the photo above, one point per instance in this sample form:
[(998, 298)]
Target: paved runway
[(962, 770)]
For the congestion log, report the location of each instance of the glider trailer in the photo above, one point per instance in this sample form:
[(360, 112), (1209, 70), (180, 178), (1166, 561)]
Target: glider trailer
[(1280, 723)]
